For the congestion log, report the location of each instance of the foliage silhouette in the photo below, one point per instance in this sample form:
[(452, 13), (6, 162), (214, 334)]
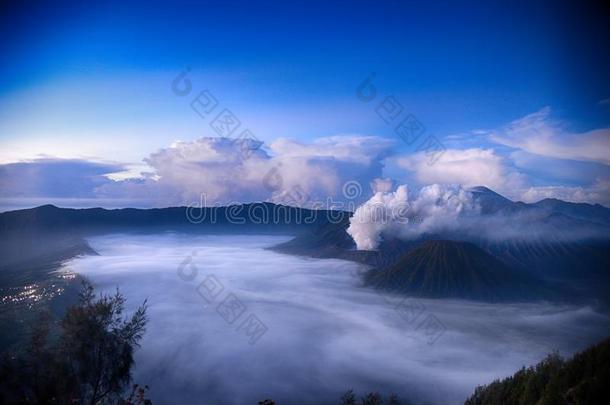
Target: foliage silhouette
[(87, 359), (581, 380)]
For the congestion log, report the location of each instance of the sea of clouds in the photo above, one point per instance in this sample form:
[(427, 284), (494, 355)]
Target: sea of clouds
[(325, 332)]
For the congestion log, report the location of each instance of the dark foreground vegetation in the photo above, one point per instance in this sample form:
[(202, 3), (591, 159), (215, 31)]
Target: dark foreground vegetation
[(84, 359), (582, 380), (373, 398)]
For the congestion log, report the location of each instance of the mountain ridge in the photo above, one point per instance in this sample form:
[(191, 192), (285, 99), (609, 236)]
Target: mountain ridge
[(583, 264)]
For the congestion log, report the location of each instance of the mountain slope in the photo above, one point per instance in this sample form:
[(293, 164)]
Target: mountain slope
[(443, 268), (46, 230), (581, 380)]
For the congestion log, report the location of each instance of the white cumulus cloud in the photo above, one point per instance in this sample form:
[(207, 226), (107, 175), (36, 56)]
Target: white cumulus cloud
[(228, 171), (468, 167)]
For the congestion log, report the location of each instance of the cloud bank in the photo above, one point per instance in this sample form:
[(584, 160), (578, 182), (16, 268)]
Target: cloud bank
[(217, 170), (229, 171), (531, 158)]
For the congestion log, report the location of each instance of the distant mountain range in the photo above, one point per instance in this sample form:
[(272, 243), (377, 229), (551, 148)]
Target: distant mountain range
[(564, 251), (492, 203), (48, 231), (263, 215), (561, 250)]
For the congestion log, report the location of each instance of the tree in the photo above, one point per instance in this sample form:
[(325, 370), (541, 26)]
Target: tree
[(579, 380), (89, 362), (97, 344), (372, 398), (348, 398)]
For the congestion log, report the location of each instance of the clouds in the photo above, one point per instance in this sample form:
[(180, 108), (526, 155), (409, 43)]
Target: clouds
[(531, 158), (222, 170), (48, 177), (361, 149), (598, 192), (229, 171), (550, 146), (468, 167), (453, 212), (538, 133), (529, 152)]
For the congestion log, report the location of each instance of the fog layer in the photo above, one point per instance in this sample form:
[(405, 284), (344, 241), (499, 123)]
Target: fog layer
[(325, 333)]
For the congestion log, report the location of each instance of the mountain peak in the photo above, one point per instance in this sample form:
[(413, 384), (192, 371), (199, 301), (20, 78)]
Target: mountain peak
[(481, 189), (486, 191), (445, 268), (47, 207), (490, 201)]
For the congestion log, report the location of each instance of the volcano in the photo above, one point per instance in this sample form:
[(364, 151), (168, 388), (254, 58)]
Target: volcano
[(451, 269)]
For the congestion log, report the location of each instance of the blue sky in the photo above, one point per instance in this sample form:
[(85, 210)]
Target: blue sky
[(93, 84)]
